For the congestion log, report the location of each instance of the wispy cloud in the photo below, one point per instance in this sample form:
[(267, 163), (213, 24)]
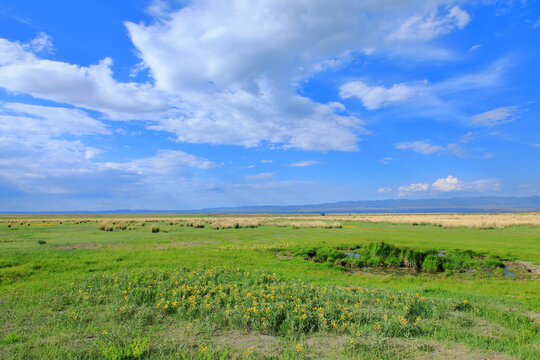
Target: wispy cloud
[(422, 147), (261, 176), (304, 163), (495, 117), (431, 24), (374, 97), (386, 160)]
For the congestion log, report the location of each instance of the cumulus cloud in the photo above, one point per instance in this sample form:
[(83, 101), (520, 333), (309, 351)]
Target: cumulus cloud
[(373, 97), (35, 155), (422, 147), (304, 163), (17, 119), (431, 24), (450, 184), (384, 190), (494, 117), (236, 68), (242, 118), (92, 87), (412, 188), (30, 147), (229, 73)]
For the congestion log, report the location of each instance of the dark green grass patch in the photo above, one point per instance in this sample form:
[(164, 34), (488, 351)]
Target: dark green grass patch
[(382, 254)]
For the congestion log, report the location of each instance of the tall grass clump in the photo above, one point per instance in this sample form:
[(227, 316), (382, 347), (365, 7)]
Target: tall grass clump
[(382, 254), (106, 225)]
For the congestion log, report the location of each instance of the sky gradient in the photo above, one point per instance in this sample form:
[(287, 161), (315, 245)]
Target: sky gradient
[(174, 105)]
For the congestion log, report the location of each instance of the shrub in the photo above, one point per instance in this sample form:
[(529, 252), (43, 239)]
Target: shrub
[(41, 242), (155, 229), (121, 225), (105, 226)]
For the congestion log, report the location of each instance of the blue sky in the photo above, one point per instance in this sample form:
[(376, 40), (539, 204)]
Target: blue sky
[(191, 104)]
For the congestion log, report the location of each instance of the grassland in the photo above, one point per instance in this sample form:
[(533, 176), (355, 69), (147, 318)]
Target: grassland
[(233, 287)]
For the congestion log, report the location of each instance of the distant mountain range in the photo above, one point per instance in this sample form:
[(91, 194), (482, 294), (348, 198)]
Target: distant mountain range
[(458, 204)]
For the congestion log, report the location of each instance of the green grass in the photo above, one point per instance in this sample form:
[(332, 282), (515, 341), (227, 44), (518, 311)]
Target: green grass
[(73, 291)]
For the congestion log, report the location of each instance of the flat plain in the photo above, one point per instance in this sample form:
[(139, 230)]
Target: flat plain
[(270, 286)]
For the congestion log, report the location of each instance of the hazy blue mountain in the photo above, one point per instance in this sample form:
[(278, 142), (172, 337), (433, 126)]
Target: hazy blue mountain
[(458, 204)]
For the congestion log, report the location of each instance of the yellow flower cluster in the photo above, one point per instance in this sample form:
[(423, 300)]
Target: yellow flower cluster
[(236, 298)]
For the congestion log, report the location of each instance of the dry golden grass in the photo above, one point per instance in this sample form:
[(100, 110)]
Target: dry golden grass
[(497, 220), (475, 220)]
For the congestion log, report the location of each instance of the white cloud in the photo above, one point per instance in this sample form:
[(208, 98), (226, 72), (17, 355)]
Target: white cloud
[(266, 161), (431, 24), (163, 163), (450, 184), (424, 98), (236, 67), (374, 97), (494, 117), (412, 188), (385, 190), (91, 87), (36, 158), (421, 147), (242, 118), (475, 47), (386, 160), (304, 163), (229, 73), (261, 176), (468, 137), (26, 120)]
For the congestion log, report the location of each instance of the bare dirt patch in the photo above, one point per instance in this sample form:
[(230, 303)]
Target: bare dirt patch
[(437, 350), (326, 346), (263, 345), (528, 267), (284, 255), (79, 246)]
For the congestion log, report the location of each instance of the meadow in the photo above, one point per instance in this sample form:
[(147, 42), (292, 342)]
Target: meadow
[(344, 286)]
